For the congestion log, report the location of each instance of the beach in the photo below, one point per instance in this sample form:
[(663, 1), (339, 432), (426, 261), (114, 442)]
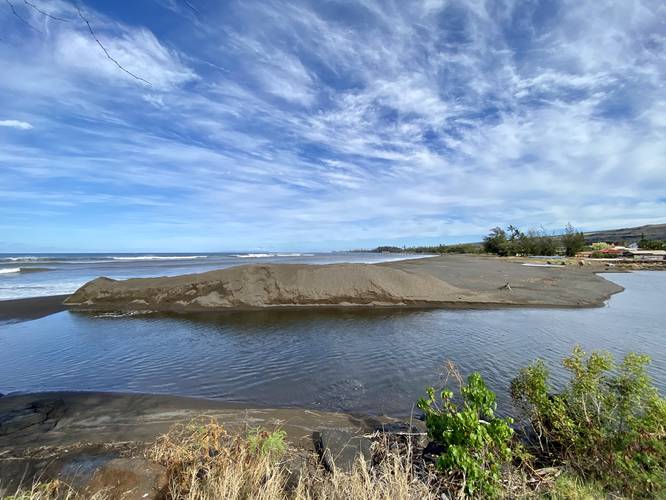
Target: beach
[(31, 308), (454, 281)]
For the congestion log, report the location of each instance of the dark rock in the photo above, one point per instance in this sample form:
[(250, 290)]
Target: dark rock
[(400, 437), (44, 414), (339, 450), (397, 428), (432, 451)]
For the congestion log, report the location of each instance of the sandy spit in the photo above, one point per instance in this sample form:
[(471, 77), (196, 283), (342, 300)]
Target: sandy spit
[(456, 281)]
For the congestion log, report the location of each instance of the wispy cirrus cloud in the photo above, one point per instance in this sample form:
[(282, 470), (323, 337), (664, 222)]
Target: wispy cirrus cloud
[(15, 124), (331, 125)]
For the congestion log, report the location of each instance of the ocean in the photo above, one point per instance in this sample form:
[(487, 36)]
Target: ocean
[(43, 274)]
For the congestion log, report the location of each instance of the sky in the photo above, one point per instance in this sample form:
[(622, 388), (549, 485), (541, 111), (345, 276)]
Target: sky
[(325, 125)]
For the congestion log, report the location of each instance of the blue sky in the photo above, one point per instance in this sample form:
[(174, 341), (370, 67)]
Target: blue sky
[(321, 124)]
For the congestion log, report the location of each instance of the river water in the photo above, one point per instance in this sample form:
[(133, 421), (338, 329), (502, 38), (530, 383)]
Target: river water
[(374, 362)]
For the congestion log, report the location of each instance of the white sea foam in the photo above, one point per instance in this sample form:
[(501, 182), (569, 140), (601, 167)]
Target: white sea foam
[(254, 255), (162, 257), (24, 259), (121, 314), (10, 270), (295, 255), (36, 290)]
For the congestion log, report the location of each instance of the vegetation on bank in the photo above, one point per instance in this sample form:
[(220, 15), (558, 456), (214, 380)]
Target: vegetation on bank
[(652, 244), (600, 435), (512, 241), (435, 249)]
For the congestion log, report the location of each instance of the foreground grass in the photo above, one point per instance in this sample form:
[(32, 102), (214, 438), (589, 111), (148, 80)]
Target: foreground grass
[(204, 462)]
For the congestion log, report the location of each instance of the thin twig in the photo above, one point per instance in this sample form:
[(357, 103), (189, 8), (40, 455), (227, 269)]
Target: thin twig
[(55, 18), (11, 6), (120, 66)]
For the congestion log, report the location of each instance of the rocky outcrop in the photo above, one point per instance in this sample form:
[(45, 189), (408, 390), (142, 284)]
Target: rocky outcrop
[(279, 285)]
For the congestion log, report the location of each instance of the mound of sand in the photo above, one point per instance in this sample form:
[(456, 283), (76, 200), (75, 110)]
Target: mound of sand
[(269, 286)]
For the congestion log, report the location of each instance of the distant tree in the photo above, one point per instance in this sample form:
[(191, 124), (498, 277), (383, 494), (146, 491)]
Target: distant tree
[(496, 242), (652, 244), (572, 240)]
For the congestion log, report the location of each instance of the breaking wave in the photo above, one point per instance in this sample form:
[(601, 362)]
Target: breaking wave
[(162, 257), (16, 270)]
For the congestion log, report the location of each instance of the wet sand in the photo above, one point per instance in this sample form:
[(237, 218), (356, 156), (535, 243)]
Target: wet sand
[(30, 308), (63, 418), (71, 436)]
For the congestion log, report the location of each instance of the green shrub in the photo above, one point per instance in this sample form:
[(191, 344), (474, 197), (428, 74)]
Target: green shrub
[(271, 444), (607, 424), (476, 442)]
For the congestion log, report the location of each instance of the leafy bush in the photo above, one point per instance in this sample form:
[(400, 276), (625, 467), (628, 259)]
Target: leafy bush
[(607, 424), (475, 442), (271, 444), (652, 244)]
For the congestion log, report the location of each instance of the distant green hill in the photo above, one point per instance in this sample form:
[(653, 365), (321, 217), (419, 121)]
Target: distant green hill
[(629, 235)]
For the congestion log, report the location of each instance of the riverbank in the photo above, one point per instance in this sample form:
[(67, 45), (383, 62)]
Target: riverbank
[(31, 308), (70, 436), (455, 281), (447, 281)]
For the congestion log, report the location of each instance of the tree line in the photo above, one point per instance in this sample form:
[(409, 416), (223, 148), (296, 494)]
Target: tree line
[(513, 241)]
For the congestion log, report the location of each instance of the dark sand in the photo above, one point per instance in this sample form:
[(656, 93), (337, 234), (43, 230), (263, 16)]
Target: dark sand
[(569, 285), (63, 418), (467, 281), (456, 281), (31, 308), (72, 435)]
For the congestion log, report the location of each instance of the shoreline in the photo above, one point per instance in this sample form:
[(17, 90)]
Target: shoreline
[(476, 282), (26, 309), (448, 281), (60, 418), (73, 436)]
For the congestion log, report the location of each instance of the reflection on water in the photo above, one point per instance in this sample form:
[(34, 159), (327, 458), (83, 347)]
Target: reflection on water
[(368, 361)]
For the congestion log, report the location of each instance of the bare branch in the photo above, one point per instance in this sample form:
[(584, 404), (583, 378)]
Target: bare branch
[(18, 16), (106, 52), (55, 18)]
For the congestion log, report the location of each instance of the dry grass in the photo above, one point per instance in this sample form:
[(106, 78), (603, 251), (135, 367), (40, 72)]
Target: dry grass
[(52, 490), (204, 462), (392, 479)]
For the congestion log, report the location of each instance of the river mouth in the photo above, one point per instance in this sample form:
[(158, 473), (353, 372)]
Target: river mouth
[(360, 361)]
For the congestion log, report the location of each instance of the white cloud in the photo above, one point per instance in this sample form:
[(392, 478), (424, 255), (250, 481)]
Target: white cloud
[(282, 122), (15, 124), (137, 50)]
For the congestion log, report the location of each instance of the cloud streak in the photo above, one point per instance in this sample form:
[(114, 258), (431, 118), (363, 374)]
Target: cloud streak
[(15, 124), (309, 125)]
